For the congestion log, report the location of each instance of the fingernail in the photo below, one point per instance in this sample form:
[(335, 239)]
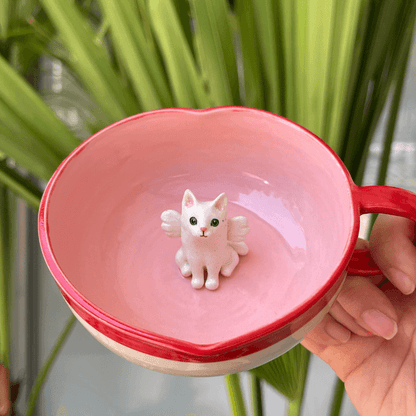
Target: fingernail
[(402, 281), (338, 332), (4, 409), (380, 323)]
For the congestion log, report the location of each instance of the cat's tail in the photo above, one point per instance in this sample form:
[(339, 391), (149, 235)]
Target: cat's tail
[(240, 247)]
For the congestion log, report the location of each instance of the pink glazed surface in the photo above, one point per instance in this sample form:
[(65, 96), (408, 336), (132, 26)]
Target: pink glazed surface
[(102, 213)]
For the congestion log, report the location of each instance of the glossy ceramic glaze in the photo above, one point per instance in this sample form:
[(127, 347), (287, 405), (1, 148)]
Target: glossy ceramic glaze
[(100, 233)]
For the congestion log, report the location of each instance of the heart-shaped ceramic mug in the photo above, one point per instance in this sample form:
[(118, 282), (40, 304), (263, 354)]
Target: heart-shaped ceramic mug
[(100, 233)]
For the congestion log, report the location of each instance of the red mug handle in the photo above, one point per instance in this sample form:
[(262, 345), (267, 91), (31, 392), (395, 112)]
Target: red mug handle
[(382, 200)]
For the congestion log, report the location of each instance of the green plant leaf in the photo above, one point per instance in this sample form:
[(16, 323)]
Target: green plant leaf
[(25, 106), (269, 42), (5, 7), (215, 50), (47, 39), (254, 88), (24, 8), (319, 15), (12, 14), (145, 42), (183, 11), (287, 373), (90, 60), (186, 81), (337, 398), (136, 54), (6, 261), (24, 54), (375, 81), (42, 376), (300, 15), (235, 395), (256, 395), (20, 143), (348, 24), (20, 185), (392, 118)]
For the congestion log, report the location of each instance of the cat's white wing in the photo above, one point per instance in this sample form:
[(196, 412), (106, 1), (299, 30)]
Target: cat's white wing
[(237, 229), (171, 223)]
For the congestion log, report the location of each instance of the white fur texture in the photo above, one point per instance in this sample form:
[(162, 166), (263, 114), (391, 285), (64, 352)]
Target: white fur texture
[(210, 241)]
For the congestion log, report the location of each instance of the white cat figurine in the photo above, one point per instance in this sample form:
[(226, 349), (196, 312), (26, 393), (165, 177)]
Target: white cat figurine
[(209, 241)]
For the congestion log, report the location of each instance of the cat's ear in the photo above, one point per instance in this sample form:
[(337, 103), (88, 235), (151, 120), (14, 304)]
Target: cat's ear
[(221, 202), (189, 199)]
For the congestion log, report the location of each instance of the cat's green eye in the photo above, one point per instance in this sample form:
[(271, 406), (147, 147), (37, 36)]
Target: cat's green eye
[(193, 220), (215, 222)]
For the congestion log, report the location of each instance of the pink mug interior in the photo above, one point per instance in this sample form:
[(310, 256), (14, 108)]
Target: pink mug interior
[(104, 228)]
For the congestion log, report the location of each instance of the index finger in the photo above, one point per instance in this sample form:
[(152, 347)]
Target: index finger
[(392, 248)]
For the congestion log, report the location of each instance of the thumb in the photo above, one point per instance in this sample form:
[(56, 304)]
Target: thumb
[(392, 248)]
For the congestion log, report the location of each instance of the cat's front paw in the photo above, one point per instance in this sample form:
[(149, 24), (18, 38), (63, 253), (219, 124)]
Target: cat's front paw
[(197, 282), (212, 283), (186, 270)]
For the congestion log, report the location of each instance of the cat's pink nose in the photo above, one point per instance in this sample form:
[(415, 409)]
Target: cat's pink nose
[(204, 229)]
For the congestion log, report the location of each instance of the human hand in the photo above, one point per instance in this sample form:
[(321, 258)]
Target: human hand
[(369, 335)]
